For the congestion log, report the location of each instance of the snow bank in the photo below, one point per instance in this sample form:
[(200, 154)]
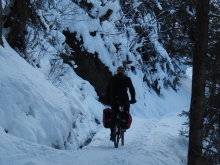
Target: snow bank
[(33, 109)]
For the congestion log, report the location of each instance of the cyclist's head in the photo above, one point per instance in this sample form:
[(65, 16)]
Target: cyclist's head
[(120, 70)]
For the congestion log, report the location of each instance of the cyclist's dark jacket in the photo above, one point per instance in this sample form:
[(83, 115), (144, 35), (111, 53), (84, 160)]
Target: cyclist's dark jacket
[(117, 88)]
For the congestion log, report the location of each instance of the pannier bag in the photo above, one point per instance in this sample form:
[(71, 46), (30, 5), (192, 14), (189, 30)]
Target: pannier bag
[(108, 118), (126, 120)]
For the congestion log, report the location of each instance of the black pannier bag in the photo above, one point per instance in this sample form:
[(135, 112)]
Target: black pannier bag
[(108, 118), (126, 120)]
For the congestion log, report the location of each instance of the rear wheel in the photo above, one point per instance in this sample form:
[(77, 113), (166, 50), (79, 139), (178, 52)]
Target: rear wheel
[(122, 137), (116, 135)]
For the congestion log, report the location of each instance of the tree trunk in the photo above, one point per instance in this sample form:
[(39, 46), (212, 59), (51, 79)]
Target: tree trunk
[(198, 83), (1, 23), (20, 13)]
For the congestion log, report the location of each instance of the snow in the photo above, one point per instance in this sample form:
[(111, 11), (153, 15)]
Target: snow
[(35, 110), (45, 119), (38, 117)]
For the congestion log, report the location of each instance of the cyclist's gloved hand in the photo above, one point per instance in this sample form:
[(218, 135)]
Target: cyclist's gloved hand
[(132, 101)]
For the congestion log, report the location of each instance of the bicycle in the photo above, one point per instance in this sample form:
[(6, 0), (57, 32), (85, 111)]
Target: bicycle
[(118, 131)]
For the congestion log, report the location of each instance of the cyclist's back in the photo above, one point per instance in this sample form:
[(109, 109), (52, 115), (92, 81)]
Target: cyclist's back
[(117, 88), (119, 85)]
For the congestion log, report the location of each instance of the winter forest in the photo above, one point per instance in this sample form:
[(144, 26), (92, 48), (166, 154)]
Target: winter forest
[(56, 57)]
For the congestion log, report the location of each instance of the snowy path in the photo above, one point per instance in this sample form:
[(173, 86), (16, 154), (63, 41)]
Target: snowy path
[(147, 142), (154, 141), (28, 112)]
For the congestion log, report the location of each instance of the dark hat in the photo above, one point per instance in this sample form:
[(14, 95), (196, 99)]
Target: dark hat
[(120, 69)]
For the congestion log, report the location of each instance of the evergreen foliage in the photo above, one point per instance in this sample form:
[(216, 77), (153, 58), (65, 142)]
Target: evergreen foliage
[(157, 62), (211, 153), (137, 21)]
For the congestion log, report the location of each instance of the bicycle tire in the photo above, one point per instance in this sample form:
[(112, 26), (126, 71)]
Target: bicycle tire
[(122, 137), (116, 135)]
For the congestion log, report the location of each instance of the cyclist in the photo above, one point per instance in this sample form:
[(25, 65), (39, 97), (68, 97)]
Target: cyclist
[(117, 91)]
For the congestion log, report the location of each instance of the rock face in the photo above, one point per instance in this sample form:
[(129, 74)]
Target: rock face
[(89, 67)]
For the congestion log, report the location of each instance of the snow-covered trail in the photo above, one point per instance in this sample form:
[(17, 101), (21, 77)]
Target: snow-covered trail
[(153, 141), (147, 142), (150, 141)]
